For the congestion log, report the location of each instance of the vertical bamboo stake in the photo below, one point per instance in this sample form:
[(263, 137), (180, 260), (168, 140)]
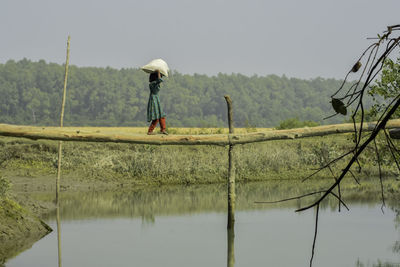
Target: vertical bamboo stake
[(231, 171), (59, 157)]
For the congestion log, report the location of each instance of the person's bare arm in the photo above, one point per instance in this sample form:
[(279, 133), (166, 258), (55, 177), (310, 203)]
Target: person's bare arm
[(158, 74)]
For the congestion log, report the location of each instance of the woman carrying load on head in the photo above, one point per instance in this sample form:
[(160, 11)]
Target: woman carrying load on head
[(155, 112)]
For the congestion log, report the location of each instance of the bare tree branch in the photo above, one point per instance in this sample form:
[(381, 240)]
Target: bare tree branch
[(378, 159), (381, 126), (340, 200), (339, 193), (354, 177), (315, 235), (288, 199), (326, 165), (374, 65)]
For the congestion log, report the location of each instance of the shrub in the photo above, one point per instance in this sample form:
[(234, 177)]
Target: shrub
[(295, 123)]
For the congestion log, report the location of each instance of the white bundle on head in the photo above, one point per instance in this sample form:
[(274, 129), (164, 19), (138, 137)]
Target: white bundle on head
[(156, 64)]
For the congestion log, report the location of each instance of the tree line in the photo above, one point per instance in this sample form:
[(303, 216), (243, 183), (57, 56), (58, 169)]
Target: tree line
[(31, 94)]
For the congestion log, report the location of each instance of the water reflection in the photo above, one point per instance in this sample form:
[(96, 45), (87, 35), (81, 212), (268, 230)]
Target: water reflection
[(166, 201), (58, 233), (177, 224), (147, 216), (231, 247)]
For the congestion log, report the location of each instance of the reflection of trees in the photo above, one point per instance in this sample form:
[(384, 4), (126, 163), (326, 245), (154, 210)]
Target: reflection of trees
[(396, 246), (378, 264), (174, 200)]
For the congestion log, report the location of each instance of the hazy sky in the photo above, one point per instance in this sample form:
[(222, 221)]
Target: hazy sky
[(299, 38)]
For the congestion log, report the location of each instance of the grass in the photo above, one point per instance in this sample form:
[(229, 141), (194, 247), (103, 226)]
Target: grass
[(150, 164)]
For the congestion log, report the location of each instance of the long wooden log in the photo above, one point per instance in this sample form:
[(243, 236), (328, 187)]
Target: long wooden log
[(395, 133), (89, 134)]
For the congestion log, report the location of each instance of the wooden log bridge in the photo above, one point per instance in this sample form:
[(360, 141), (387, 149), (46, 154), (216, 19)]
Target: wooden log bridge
[(89, 134), (115, 135)]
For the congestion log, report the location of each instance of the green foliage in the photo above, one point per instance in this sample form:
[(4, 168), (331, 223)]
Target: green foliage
[(387, 88), (31, 94), (369, 115), (295, 123)]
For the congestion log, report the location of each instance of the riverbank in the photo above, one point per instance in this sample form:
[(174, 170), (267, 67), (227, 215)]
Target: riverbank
[(30, 166), (20, 228)]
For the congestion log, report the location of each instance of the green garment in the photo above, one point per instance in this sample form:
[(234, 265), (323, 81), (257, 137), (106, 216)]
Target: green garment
[(154, 109)]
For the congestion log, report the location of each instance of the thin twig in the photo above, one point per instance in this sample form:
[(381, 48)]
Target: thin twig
[(373, 60), (378, 158), (340, 200), (354, 177), (345, 79), (325, 166), (315, 236), (391, 149), (288, 199), (339, 193)]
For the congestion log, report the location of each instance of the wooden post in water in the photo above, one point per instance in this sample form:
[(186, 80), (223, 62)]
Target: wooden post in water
[(59, 157), (231, 171), (231, 247)]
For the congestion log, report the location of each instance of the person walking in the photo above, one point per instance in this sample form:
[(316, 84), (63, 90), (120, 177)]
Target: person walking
[(155, 113)]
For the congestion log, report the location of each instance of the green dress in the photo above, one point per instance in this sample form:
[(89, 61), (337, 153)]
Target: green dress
[(154, 109)]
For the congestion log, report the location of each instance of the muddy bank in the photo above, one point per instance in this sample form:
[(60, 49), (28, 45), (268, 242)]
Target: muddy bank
[(21, 216), (19, 228)]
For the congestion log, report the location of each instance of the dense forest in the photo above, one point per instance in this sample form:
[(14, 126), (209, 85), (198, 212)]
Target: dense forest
[(31, 94)]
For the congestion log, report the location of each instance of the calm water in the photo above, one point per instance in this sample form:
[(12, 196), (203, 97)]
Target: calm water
[(186, 226)]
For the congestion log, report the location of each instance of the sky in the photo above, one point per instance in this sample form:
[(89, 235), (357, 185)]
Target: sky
[(297, 38)]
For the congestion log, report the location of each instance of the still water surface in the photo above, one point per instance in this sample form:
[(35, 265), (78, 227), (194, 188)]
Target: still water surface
[(186, 226)]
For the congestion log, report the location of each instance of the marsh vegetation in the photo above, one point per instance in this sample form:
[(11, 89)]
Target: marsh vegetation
[(146, 164)]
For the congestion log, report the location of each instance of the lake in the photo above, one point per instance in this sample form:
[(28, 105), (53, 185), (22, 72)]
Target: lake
[(186, 226)]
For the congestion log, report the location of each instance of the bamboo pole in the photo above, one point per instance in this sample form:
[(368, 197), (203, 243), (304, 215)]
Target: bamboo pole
[(92, 134), (60, 156), (62, 122), (231, 171)]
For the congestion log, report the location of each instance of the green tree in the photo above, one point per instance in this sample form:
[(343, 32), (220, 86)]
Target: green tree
[(109, 97), (387, 88)]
